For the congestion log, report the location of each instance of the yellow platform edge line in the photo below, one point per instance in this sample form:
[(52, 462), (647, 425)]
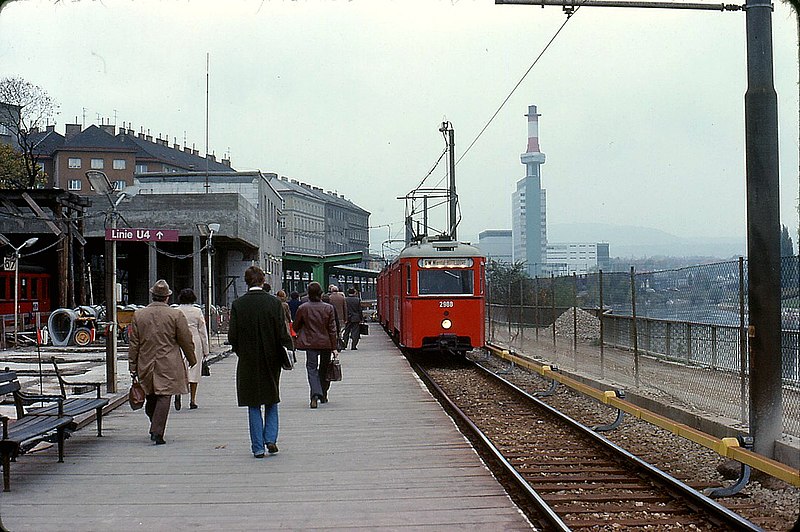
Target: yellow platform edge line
[(727, 447)]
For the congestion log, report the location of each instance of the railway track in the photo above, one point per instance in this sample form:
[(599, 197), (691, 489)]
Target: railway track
[(570, 477)]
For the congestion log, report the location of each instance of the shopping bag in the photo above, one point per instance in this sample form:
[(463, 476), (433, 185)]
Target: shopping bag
[(363, 329), (136, 394)]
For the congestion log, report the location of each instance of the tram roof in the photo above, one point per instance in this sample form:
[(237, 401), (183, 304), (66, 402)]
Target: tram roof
[(440, 248)]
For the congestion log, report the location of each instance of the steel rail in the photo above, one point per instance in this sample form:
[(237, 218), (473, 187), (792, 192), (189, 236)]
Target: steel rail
[(548, 514), (715, 509)]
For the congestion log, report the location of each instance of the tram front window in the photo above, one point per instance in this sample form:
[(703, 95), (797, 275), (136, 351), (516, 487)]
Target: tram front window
[(445, 282)]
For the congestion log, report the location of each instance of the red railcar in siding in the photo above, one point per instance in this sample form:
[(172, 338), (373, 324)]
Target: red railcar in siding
[(34, 292), (432, 297)]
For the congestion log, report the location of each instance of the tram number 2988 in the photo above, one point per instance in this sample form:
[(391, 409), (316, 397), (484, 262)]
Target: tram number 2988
[(445, 304)]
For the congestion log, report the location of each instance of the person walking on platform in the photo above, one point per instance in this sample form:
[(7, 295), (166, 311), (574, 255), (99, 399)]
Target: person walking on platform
[(339, 305), (294, 303), (158, 334), (352, 329), (315, 325), (258, 335), (197, 324)]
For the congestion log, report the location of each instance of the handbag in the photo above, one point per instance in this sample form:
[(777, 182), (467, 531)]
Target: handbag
[(136, 394), (340, 345), (334, 373), (287, 360), (363, 329), (205, 371)]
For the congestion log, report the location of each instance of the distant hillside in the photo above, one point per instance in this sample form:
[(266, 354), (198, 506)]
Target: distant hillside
[(639, 242)]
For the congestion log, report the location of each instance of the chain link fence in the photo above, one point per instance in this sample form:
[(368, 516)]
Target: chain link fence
[(676, 335)]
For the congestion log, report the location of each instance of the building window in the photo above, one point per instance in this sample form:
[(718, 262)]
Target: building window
[(4, 130), (141, 168), (74, 162), (119, 185), (119, 164), (74, 184), (97, 164)]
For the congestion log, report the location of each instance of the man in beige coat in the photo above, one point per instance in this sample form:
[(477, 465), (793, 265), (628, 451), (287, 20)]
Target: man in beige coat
[(158, 333)]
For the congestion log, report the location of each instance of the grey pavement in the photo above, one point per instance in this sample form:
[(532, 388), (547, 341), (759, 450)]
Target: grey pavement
[(381, 454)]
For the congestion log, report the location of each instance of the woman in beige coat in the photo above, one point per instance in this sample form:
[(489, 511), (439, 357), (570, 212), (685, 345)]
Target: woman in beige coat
[(197, 324)]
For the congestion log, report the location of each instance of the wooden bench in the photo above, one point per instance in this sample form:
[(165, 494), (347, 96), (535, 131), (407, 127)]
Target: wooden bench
[(20, 435), (72, 406)]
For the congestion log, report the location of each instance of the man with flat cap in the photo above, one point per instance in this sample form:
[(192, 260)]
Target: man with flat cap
[(158, 334)]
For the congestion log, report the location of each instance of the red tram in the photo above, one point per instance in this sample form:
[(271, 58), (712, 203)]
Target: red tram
[(34, 292), (432, 297)]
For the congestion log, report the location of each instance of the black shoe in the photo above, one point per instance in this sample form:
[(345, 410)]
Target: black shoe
[(314, 402), (152, 436), (192, 406), (272, 448), (177, 402), (354, 348), (259, 455), (324, 399), (158, 439)]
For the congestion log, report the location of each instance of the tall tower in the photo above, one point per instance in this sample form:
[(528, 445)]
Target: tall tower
[(529, 222)]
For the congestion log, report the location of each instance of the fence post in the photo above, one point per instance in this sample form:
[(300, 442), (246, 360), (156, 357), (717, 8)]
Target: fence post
[(668, 340), (536, 319), (521, 313), (713, 347), (602, 327), (574, 312), (634, 332), (553, 307), (508, 311), (688, 343)]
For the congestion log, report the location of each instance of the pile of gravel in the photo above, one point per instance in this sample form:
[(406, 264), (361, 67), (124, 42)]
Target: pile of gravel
[(586, 325)]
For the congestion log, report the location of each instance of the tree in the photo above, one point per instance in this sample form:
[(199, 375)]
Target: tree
[(787, 247), (25, 108), (12, 167)]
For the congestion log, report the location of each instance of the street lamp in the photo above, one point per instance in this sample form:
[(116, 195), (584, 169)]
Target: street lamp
[(31, 241), (208, 230), (98, 181)]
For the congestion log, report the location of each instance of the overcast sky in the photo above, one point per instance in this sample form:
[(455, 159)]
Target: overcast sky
[(642, 110)]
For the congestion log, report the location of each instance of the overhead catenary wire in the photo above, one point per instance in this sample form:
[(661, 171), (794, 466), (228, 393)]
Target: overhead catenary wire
[(535, 61)]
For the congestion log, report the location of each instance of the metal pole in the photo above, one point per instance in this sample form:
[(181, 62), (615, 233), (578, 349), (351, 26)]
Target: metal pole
[(763, 231), (208, 303), (111, 309), (16, 295), (602, 330), (634, 331)]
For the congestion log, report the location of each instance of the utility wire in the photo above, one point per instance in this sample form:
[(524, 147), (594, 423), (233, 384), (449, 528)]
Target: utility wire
[(569, 16)]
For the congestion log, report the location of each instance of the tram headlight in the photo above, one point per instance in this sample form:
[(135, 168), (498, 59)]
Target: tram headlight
[(446, 324)]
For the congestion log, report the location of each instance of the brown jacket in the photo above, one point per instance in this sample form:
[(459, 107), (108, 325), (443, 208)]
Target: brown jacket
[(337, 300), (158, 333), (315, 326)]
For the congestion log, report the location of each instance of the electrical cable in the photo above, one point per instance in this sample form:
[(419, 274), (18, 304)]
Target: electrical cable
[(569, 16)]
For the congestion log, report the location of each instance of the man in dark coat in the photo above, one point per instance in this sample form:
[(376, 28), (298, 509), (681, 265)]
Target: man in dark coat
[(158, 334), (258, 336), (352, 328)]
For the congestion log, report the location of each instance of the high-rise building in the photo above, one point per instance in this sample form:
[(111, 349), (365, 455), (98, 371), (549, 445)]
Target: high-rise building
[(497, 245), (528, 204)]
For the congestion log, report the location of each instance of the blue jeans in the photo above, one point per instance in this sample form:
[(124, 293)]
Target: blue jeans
[(317, 361), (263, 430)]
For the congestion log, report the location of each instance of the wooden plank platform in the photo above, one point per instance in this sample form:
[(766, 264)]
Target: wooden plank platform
[(380, 455)]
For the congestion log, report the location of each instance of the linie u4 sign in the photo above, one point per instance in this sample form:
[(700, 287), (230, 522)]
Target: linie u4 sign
[(133, 234)]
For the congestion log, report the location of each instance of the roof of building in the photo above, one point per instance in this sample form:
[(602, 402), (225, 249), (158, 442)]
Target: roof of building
[(94, 138), (181, 159), (285, 184), (46, 142)]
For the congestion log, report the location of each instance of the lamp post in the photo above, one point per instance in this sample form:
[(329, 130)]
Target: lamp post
[(98, 181), (31, 241), (208, 230)]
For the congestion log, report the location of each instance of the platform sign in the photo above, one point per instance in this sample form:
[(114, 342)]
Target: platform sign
[(133, 234), (10, 263)]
